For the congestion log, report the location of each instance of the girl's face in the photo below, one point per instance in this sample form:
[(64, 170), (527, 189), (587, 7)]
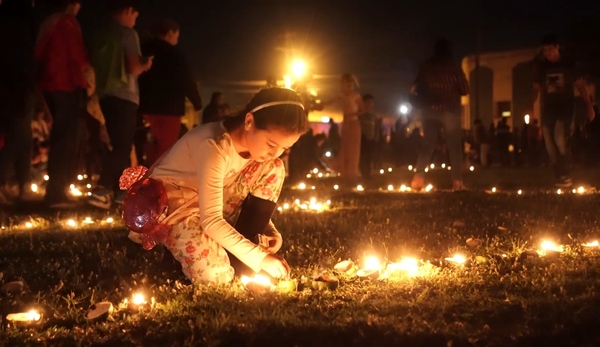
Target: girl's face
[(268, 144)]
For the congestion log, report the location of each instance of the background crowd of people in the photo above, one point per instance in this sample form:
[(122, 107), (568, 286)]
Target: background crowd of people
[(100, 101)]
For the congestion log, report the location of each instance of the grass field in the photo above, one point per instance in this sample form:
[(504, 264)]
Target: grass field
[(496, 298)]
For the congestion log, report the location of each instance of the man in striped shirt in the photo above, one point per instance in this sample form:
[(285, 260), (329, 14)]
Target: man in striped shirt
[(437, 91)]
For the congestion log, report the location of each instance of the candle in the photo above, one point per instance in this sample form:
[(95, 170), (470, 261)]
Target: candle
[(257, 283), (408, 265), (32, 316), (371, 269), (457, 259), (138, 302)]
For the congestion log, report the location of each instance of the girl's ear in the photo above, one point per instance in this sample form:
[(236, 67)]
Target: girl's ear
[(249, 121)]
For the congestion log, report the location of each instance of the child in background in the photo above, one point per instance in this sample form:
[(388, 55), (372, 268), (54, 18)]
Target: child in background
[(210, 171), (352, 106)]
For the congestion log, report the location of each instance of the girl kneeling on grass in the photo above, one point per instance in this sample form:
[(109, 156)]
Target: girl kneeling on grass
[(212, 170)]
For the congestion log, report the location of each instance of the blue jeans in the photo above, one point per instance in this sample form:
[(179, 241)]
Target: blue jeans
[(555, 138), (432, 123)]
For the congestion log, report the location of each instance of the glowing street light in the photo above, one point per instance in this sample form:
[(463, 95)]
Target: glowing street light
[(298, 68), (404, 109)]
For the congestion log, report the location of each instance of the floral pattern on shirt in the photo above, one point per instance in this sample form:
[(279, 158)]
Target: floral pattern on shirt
[(202, 259)]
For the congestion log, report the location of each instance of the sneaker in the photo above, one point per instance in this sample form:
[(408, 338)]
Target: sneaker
[(564, 182), (101, 198)]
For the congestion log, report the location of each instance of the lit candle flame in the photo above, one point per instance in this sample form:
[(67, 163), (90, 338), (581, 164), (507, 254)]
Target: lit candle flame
[(457, 258), (34, 187), (551, 246), (493, 189), (138, 299), (372, 263), (410, 265), (257, 279), (360, 188), (390, 187), (428, 188), (336, 187), (302, 186), (410, 168)]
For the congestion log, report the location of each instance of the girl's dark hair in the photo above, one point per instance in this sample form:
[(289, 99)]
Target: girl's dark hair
[(161, 27), (287, 117)]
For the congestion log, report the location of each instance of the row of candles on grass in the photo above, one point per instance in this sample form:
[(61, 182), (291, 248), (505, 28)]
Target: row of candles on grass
[(311, 205), (69, 223), (374, 269), (407, 189), (318, 174), (74, 190), (101, 310), (559, 191)]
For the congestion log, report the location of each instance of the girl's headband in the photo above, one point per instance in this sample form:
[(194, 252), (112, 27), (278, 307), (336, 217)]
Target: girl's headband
[(276, 103)]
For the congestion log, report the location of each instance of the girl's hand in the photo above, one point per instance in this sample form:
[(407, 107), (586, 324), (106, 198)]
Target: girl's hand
[(275, 243), (275, 266)]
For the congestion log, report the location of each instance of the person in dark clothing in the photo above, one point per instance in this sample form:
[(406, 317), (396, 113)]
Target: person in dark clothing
[(437, 90), (554, 78), (163, 88), (17, 91), (212, 112)]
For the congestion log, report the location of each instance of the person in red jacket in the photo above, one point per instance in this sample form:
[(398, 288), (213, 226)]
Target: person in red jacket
[(62, 61)]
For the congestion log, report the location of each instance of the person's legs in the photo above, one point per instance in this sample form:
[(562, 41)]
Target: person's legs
[(453, 132), (120, 118), (549, 138), (64, 137), (560, 139), (202, 259), (431, 123)]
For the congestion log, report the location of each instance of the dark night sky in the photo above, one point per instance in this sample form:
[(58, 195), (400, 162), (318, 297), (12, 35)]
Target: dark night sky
[(380, 41)]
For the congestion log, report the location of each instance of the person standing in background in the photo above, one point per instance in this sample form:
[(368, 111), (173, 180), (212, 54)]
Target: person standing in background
[(164, 88), (62, 63), (118, 61), (438, 88), (554, 78)]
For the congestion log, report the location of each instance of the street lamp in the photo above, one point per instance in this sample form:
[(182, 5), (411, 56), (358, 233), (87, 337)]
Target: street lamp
[(298, 68), (404, 108)]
